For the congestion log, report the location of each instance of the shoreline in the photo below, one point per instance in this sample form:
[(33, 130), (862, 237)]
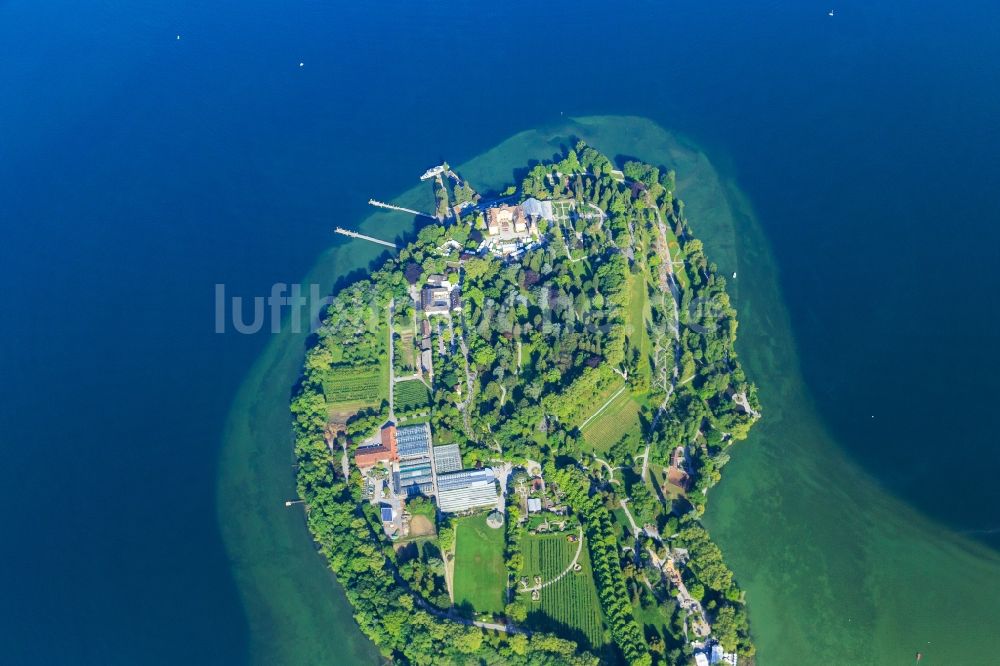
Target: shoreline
[(882, 576), (281, 583)]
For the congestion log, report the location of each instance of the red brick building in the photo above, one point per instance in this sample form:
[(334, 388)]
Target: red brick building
[(369, 456)]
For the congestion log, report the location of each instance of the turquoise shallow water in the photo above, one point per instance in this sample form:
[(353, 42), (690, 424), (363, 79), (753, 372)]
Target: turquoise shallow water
[(836, 570)]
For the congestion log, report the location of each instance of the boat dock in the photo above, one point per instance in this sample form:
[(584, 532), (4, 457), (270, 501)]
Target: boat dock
[(354, 234), (382, 204), (432, 172)]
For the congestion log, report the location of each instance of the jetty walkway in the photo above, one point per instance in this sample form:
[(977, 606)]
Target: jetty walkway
[(401, 209), (354, 234)]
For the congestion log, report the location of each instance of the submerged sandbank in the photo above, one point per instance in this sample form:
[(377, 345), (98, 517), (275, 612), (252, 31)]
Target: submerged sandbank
[(836, 570)]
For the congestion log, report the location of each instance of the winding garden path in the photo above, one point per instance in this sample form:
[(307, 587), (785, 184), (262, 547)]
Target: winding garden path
[(667, 281), (628, 514), (569, 568), (607, 466)]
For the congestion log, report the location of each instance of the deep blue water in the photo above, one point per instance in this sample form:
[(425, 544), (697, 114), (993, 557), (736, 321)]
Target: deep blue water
[(138, 170)]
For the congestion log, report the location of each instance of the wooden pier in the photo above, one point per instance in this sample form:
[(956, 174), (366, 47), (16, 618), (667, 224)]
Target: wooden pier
[(354, 234), (382, 204)]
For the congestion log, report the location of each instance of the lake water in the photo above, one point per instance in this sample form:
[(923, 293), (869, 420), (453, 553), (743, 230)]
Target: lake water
[(142, 487)]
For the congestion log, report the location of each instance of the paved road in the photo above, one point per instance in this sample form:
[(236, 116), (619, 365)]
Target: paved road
[(628, 514), (502, 473), (392, 363), (454, 617)]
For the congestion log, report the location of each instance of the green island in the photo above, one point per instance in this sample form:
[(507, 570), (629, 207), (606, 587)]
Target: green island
[(506, 433)]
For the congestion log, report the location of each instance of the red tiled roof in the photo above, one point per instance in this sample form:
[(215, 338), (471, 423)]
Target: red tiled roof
[(370, 455)]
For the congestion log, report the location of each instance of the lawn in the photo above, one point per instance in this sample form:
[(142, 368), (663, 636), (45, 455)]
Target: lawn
[(480, 574), (525, 358), (571, 605), (636, 326), (405, 353), (608, 427), (655, 618), (622, 525)]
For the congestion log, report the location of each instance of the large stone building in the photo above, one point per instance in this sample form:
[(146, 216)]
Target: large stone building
[(385, 451), (511, 230), (439, 295), (506, 220)]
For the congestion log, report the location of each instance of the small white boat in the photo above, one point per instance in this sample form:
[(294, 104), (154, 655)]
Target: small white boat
[(831, 13), (734, 275)]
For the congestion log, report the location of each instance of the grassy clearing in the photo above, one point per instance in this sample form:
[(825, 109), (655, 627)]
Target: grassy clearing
[(480, 574), (636, 325), (622, 525), (620, 417), (655, 618), (570, 606), (405, 353)]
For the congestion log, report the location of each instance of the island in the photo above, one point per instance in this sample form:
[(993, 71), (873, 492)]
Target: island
[(506, 432)]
